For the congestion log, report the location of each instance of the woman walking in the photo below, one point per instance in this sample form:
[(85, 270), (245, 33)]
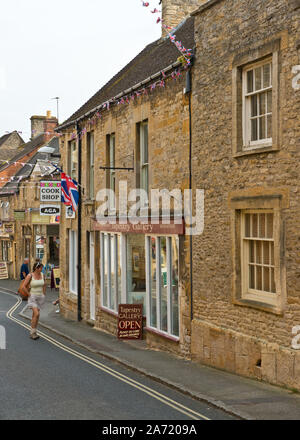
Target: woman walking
[(36, 288)]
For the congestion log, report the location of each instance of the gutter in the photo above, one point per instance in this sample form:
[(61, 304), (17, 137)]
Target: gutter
[(123, 93)]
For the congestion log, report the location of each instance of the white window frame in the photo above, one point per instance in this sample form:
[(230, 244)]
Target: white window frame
[(73, 284), (158, 285), (91, 158), (72, 159), (113, 237), (247, 292), (248, 144)]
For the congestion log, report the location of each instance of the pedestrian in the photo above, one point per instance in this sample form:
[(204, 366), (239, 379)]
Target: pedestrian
[(36, 283), (24, 269)]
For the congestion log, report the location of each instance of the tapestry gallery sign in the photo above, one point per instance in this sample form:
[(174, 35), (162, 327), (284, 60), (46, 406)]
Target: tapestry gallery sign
[(130, 321), (51, 191)]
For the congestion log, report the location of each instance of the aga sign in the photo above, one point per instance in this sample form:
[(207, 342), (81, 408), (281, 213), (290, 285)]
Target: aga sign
[(49, 209)]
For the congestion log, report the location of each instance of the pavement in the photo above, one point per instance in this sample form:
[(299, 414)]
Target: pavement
[(242, 397)]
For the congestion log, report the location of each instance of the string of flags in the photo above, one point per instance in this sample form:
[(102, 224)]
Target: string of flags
[(186, 53)]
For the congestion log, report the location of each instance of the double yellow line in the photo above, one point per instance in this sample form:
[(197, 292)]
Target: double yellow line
[(156, 395)]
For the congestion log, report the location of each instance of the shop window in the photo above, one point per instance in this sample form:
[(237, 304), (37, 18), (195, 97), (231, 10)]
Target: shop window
[(163, 311), (136, 270), (73, 261), (111, 254)]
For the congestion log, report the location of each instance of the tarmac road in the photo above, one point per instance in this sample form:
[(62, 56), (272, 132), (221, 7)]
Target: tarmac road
[(53, 379)]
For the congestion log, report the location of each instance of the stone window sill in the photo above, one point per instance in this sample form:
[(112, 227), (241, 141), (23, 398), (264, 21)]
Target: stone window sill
[(268, 149), (259, 305)]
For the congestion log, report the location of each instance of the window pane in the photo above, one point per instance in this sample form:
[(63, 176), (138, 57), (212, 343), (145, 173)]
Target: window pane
[(247, 225), (153, 319), (258, 278), (272, 254), (254, 225), (262, 128), (164, 284), (269, 225), (266, 251), (252, 277), (254, 105), (262, 103), (267, 75), (251, 251), (262, 225), (250, 81), (254, 130), (258, 252), (266, 272), (106, 265), (273, 286), (175, 295), (258, 73), (136, 270), (119, 274), (113, 272)]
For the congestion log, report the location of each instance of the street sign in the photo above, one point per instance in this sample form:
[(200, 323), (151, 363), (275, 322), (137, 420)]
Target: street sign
[(130, 322), (50, 210), (51, 191)]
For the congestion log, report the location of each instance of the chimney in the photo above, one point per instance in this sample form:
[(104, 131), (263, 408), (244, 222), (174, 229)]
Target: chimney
[(43, 124), (174, 11)]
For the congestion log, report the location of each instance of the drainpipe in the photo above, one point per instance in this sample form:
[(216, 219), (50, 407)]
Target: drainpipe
[(79, 228), (188, 91)]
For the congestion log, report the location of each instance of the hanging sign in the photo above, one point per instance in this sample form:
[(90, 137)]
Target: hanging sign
[(51, 210), (130, 322), (51, 191)]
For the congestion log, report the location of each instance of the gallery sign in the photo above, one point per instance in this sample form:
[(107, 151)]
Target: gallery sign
[(52, 210), (130, 321), (51, 191)]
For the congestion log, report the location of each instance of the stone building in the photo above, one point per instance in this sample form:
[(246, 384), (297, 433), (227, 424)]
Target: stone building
[(141, 137), (23, 231), (246, 131), (236, 136)]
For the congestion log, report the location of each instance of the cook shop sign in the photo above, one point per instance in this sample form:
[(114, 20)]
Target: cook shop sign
[(50, 191)]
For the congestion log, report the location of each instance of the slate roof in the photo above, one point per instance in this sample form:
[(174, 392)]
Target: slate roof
[(24, 150), (26, 170), (153, 59)]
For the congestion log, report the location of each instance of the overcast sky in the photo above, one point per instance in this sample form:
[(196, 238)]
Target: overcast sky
[(65, 48)]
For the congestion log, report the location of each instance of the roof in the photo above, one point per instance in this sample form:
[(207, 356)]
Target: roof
[(24, 150), (6, 136), (153, 59), (26, 170)]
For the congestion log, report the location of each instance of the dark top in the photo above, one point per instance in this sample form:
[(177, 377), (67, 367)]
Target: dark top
[(24, 268)]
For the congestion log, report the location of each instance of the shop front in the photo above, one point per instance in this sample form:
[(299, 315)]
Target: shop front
[(139, 264)]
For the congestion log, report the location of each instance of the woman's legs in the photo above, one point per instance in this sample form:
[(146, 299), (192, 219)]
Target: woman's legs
[(34, 320)]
